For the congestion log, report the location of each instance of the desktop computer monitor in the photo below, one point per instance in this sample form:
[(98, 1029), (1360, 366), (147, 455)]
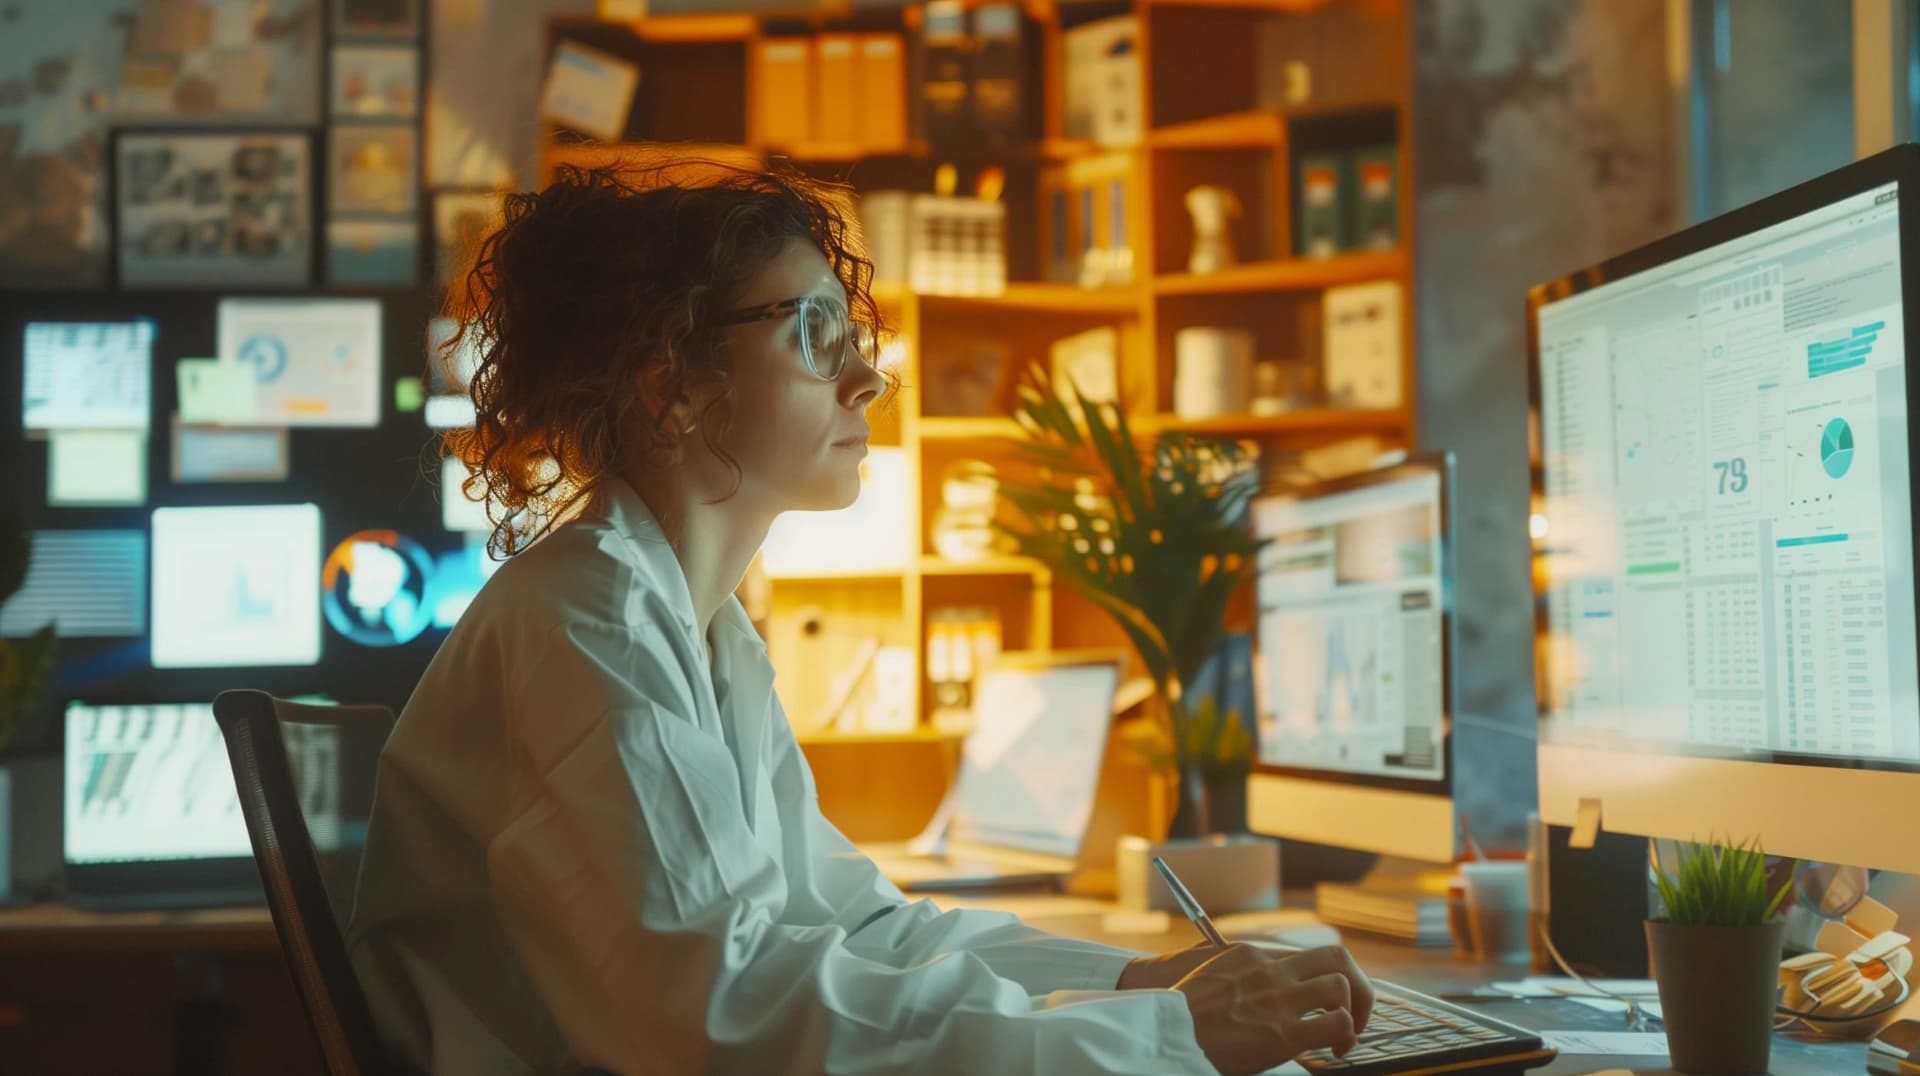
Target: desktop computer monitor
[(1352, 679), (1726, 587)]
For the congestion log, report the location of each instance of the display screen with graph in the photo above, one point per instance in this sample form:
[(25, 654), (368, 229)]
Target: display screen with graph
[(1351, 676), (1727, 551)]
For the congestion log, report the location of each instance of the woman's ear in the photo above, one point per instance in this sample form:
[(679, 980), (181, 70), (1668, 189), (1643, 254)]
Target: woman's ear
[(666, 402)]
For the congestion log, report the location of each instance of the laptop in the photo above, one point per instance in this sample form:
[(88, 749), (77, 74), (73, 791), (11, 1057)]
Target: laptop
[(150, 814), (1019, 808)]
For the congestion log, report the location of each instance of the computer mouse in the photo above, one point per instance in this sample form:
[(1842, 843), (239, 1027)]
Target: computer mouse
[(1305, 936)]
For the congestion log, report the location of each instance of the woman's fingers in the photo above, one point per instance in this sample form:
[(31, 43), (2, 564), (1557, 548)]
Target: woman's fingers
[(1331, 1028), (1334, 960)]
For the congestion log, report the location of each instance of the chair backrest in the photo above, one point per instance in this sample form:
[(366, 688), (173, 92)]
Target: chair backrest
[(283, 849)]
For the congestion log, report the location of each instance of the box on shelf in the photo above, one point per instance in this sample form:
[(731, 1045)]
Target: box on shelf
[(935, 244), (881, 73), (1104, 88), (780, 96), (1362, 340), (1375, 198), (836, 110), (1320, 210)]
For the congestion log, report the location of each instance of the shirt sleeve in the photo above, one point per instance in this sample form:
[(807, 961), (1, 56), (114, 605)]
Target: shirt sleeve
[(645, 912), (886, 927)]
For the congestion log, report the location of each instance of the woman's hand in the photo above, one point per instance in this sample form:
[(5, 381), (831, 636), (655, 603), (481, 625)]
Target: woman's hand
[(1254, 1009), (1161, 972)]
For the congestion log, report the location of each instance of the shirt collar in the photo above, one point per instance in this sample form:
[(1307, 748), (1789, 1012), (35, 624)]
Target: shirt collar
[(627, 513)]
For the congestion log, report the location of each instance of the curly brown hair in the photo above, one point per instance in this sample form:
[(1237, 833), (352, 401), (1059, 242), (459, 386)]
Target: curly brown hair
[(611, 277)]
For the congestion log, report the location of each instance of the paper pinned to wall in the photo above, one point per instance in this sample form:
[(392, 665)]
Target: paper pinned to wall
[(589, 90), (91, 583), (96, 468), (228, 453), (215, 392)]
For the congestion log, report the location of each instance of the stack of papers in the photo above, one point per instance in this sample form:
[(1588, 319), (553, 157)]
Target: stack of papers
[(1402, 909)]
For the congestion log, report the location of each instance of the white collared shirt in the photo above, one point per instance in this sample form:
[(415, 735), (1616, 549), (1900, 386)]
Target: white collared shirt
[(591, 847)]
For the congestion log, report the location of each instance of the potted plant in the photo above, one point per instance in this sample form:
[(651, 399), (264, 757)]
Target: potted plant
[(25, 665), (1158, 540), (1716, 958)]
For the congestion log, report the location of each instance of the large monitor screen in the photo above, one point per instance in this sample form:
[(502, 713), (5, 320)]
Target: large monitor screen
[(1351, 677), (1728, 524), (236, 586)]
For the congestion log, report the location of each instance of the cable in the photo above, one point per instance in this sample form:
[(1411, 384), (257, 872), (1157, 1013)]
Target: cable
[(1636, 1016)]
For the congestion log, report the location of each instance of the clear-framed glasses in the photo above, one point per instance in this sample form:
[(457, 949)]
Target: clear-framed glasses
[(828, 334)]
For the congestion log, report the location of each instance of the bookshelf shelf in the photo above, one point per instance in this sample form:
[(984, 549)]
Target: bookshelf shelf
[(967, 429), (923, 734), (1288, 274), (1235, 130), (1311, 421), (1038, 298), (940, 566)]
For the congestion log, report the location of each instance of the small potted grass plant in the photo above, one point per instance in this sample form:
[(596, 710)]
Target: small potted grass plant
[(1716, 958)]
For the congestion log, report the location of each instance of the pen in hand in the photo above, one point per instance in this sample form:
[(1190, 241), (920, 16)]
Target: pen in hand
[(1189, 907)]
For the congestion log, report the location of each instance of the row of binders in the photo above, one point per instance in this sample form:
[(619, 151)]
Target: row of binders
[(843, 90)]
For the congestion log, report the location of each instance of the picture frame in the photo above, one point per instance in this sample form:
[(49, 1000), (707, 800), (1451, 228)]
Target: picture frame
[(374, 82), (462, 218), (373, 253), (372, 169), (212, 207), (376, 18)]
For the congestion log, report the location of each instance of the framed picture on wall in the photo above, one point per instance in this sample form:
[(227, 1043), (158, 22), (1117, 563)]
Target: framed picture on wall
[(211, 207), (376, 81), (372, 169), (376, 18), (373, 253), (461, 219)]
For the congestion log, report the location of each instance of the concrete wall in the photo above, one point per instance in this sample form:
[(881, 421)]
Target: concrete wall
[(1543, 141)]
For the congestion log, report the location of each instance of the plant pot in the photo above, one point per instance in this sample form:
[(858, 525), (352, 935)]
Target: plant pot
[(1718, 987)]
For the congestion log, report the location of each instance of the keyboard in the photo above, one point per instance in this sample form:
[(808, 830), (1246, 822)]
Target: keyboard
[(1410, 1033)]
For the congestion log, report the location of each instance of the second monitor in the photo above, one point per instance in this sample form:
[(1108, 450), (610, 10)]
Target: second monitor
[(1354, 672)]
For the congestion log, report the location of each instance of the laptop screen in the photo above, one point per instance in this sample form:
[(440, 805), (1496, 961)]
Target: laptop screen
[(1031, 765), (149, 782)]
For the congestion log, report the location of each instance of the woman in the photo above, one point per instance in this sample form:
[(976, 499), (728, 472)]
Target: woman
[(595, 841)]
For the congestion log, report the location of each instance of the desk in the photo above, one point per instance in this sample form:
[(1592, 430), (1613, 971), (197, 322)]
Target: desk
[(132, 993), (1431, 971), (207, 993)]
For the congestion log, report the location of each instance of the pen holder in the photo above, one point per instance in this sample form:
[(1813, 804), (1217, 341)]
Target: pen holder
[(1225, 873)]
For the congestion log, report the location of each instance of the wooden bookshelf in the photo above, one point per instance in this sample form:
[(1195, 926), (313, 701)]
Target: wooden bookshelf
[(1212, 127)]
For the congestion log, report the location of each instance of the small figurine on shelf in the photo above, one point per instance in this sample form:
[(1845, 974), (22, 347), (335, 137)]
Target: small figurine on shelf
[(1212, 208)]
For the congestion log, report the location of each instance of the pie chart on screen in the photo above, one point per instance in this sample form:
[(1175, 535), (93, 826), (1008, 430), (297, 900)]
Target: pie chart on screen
[(1836, 448)]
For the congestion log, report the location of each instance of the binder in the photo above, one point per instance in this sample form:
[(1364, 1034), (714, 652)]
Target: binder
[(943, 101), (1376, 198), (780, 102), (999, 87), (881, 93), (835, 81)]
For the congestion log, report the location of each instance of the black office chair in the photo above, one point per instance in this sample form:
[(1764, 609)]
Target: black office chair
[(283, 848)]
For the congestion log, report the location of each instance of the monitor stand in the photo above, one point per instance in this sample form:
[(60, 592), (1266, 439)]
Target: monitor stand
[(1401, 899)]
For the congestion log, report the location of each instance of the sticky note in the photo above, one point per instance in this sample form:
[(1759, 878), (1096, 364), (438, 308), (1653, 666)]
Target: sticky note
[(97, 467), (409, 395), (214, 392)]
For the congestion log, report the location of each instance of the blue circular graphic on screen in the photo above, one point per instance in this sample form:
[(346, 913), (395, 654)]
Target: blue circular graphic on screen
[(373, 588), (1836, 448), (266, 354)]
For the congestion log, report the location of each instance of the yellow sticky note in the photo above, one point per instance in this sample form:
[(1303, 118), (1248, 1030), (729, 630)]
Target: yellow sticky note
[(215, 393)]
